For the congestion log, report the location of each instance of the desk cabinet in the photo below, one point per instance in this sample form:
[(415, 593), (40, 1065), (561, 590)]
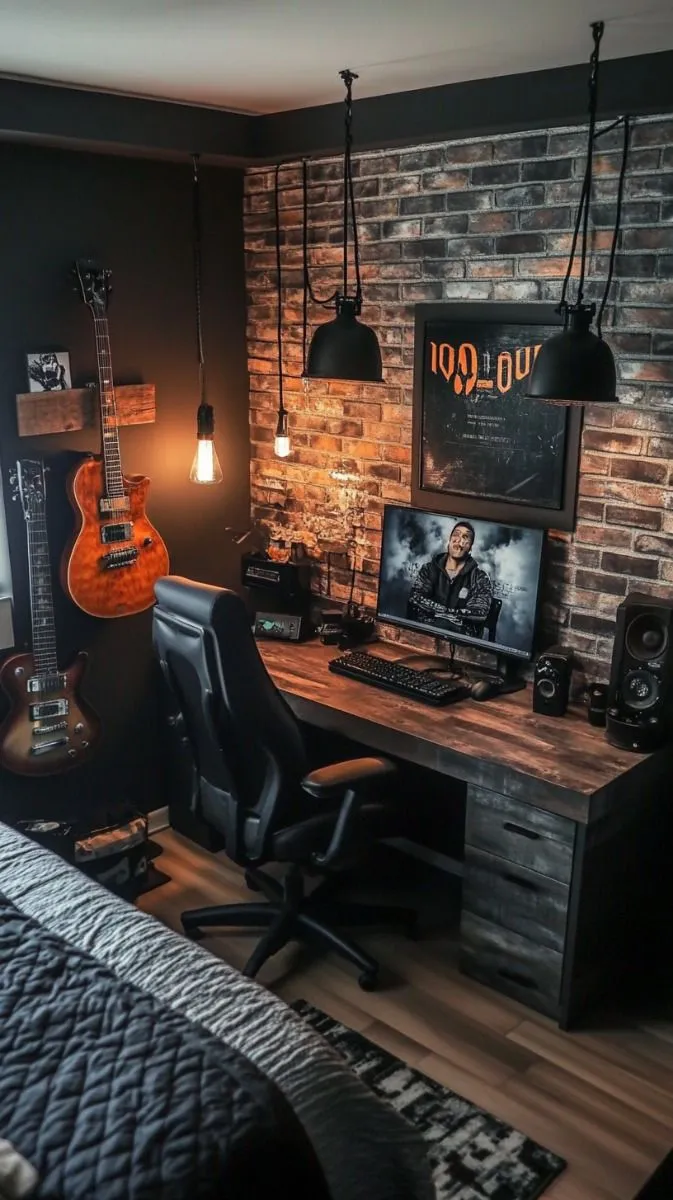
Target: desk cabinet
[(554, 913), (516, 890)]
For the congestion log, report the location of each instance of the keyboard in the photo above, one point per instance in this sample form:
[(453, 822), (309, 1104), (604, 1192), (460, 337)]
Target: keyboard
[(394, 677)]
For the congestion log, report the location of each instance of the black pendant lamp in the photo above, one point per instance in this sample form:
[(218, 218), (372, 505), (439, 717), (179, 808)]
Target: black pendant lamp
[(576, 366), (344, 348)]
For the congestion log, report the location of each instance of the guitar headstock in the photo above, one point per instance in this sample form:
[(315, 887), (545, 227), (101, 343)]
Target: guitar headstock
[(28, 485), (93, 284)]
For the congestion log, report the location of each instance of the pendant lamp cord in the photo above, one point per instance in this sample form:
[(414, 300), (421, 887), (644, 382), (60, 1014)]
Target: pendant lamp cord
[(328, 301), (349, 198), (582, 220), (279, 325), (597, 29), (348, 206), (618, 219), (196, 241)]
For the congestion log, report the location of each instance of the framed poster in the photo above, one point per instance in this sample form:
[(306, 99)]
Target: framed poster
[(480, 446)]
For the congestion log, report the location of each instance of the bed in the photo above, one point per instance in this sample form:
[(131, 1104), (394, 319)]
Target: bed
[(176, 1071)]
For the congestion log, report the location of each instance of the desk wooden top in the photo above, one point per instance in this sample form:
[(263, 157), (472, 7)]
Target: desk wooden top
[(561, 764)]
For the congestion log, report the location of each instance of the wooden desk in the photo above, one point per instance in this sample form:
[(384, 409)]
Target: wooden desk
[(566, 842)]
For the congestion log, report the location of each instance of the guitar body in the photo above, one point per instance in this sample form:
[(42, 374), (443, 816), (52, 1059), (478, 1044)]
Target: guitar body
[(89, 572), (51, 743)]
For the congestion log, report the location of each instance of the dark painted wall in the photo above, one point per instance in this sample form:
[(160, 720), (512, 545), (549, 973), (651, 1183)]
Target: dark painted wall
[(135, 217)]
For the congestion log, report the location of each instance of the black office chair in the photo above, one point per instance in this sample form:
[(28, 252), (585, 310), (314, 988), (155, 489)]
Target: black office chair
[(491, 622), (240, 752)]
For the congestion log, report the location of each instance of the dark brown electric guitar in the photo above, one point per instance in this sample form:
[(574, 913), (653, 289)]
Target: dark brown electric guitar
[(49, 727), (116, 555)]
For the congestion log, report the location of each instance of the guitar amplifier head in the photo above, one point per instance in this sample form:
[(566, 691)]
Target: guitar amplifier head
[(287, 585)]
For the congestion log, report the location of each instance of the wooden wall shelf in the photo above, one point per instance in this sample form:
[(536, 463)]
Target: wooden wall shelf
[(63, 412)]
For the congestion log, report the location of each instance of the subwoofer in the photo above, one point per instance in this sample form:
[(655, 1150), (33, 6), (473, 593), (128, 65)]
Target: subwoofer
[(640, 698)]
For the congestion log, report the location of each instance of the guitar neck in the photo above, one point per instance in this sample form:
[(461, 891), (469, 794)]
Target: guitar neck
[(114, 482), (41, 600)]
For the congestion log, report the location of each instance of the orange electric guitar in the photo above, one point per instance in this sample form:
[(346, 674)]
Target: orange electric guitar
[(110, 567), (49, 727)]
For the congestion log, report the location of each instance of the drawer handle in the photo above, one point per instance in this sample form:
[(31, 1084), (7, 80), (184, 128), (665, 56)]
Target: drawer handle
[(527, 884), (521, 829), (518, 977)]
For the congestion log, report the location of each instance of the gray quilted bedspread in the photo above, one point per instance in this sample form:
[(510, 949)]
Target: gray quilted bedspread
[(112, 1096), (366, 1151)]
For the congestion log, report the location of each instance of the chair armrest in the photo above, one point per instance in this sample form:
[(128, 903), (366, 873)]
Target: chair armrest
[(348, 779), (335, 779)]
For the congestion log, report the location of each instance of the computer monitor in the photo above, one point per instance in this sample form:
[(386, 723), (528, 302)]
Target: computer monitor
[(469, 581)]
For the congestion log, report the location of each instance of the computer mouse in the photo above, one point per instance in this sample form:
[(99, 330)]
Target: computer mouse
[(483, 689)]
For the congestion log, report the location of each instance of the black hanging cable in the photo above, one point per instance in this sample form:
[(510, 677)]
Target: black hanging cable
[(197, 232), (597, 29), (279, 324), (349, 195), (563, 303), (328, 301), (618, 218), (582, 217), (347, 77), (304, 305)]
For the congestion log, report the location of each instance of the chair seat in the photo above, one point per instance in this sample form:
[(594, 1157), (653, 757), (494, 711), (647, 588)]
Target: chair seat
[(298, 842)]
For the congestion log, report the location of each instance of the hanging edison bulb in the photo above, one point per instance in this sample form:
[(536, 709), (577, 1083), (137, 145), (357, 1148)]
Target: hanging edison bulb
[(281, 442), (205, 464)]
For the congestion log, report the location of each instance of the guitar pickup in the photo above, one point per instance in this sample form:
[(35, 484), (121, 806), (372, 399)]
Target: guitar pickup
[(45, 683), (114, 506), (46, 709), (45, 747), (119, 531), (119, 558), (54, 727)]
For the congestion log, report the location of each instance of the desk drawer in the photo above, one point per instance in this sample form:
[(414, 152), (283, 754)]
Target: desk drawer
[(511, 964), (532, 837), (513, 896)]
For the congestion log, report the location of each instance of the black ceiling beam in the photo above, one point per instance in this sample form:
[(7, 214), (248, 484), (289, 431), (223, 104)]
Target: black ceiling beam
[(641, 85), (107, 121), (66, 116)]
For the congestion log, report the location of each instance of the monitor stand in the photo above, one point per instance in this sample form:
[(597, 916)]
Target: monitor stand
[(506, 670)]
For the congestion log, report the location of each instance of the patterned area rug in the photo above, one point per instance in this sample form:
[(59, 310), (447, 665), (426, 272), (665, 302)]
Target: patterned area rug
[(474, 1156)]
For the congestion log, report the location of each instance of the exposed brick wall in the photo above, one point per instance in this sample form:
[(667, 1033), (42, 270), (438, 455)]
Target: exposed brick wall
[(488, 219)]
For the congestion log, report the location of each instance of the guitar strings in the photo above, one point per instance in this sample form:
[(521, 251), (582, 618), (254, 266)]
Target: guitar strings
[(114, 481), (39, 576)]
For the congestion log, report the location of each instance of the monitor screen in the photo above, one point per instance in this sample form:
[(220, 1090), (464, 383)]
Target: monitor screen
[(469, 581)]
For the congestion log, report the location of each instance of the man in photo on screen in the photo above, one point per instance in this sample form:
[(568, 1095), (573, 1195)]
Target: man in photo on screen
[(450, 589)]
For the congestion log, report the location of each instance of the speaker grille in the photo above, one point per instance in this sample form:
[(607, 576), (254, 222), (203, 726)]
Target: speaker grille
[(640, 690), (646, 637)]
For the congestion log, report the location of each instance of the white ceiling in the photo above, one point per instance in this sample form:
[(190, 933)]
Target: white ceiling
[(269, 55)]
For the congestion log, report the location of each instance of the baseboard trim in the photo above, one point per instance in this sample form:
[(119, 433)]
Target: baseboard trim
[(158, 819)]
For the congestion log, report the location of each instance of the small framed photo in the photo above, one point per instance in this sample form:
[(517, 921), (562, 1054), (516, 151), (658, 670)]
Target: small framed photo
[(48, 371)]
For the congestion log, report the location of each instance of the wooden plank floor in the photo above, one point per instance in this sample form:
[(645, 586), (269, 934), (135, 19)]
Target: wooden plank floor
[(601, 1099)]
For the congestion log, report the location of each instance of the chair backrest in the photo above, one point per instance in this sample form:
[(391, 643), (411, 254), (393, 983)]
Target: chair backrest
[(491, 622), (246, 748)]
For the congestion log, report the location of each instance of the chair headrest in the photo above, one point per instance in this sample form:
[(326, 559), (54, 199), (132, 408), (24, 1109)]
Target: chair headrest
[(200, 603)]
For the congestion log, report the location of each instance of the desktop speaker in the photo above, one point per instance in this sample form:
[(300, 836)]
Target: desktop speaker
[(640, 696), (551, 684)]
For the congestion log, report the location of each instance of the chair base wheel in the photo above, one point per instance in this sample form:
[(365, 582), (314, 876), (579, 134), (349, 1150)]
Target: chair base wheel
[(368, 981)]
